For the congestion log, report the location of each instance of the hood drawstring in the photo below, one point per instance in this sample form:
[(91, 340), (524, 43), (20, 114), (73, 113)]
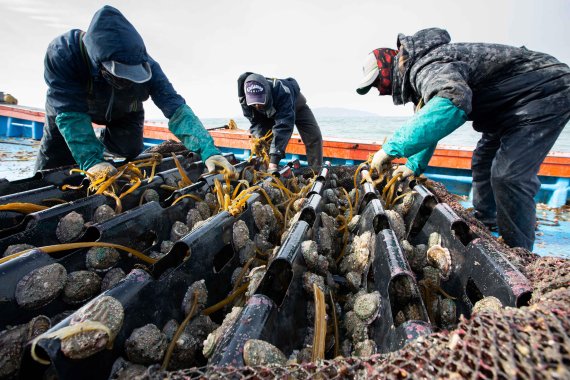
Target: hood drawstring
[(109, 111)]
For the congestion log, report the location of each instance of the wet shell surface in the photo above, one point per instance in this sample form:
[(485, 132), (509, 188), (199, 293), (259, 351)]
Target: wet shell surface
[(112, 278), (447, 313), (215, 336), (193, 217), (101, 259), (105, 310), (178, 230), (487, 304), (170, 328), (150, 195), (263, 216), (124, 370), (69, 227), (353, 224), (440, 258), (396, 223), (81, 286), (258, 352), (15, 248), (354, 280), (247, 251), (405, 205), (324, 241), (331, 209), (359, 254), (240, 234), (309, 279), (189, 343), (166, 246), (367, 306), (204, 209), (12, 343), (212, 202), (365, 348), (103, 213), (198, 287), (146, 345), (40, 286)]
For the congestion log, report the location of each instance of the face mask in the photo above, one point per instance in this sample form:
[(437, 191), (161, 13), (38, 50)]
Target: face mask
[(116, 82)]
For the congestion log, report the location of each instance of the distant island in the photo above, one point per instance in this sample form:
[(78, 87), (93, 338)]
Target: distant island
[(340, 112)]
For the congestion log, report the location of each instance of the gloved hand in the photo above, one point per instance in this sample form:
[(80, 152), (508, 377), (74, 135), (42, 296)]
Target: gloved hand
[(102, 168), (218, 160), (272, 168), (405, 171), (381, 161)]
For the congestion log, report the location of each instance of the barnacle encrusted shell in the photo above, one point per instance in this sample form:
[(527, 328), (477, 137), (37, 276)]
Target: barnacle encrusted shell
[(146, 345), (365, 348), (81, 286), (489, 303), (69, 227), (112, 278), (447, 313), (40, 286), (367, 306), (189, 343), (204, 209), (259, 352), (178, 230), (103, 213), (359, 255), (309, 279), (193, 217), (105, 310), (405, 205), (440, 258), (263, 216), (101, 259), (198, 288), (240, 234), (396, 223), (12, 342), (215, 336), (15, 248)]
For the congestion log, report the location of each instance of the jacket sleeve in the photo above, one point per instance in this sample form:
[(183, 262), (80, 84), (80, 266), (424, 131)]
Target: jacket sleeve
[(284, 123), (437, 119), (419, 161), (163, 93), (445, 80), (66, 76)]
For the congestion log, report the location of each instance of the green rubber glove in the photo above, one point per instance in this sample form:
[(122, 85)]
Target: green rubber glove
[(189, 129), (418, 137), (80, 137)]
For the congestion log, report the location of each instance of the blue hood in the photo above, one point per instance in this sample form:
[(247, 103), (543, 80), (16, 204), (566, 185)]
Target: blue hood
[(111, 37)]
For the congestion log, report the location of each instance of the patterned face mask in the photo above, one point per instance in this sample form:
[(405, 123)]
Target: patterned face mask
[(384, 58)]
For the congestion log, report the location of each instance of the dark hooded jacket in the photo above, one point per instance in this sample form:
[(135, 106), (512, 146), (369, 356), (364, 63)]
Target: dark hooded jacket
[(279, 112), (73, 75), (487, 81)]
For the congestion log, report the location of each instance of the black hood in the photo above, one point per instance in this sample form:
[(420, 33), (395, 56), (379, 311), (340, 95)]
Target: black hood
[(111, 37)]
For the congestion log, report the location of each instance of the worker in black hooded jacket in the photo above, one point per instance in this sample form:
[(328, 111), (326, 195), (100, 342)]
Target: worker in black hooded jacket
[(278, 105), (519, 99), (103, 76)]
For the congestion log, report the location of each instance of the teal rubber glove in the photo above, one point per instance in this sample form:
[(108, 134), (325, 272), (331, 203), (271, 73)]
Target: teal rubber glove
[(80, 137), (189, 129), (418, 137)]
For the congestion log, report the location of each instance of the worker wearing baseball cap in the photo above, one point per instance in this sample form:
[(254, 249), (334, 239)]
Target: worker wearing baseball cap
[(278, 105), (103, 76), (519, 99)]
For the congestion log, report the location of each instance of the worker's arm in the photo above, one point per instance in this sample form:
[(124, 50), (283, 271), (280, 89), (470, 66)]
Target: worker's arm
[(418, 137), (67, 77), (284, 122)]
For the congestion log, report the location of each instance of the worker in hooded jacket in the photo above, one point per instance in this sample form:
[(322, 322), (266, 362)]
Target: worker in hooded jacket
[(519, 99), (103, 76), (278, 105)]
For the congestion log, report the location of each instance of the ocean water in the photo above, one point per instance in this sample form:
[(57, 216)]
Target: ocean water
[(377, 128)]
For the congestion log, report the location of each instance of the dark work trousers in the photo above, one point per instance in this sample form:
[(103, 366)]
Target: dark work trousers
[(122, 136), (505, 166), (309, 131)]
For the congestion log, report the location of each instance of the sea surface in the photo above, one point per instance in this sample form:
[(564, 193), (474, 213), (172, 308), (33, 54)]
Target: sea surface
[(380, 127)]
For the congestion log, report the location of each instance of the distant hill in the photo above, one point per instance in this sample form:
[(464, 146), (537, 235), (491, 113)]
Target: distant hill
[(339, 112)]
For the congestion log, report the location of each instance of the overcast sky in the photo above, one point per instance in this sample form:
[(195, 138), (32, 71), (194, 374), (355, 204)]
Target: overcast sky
[(203, 46)]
